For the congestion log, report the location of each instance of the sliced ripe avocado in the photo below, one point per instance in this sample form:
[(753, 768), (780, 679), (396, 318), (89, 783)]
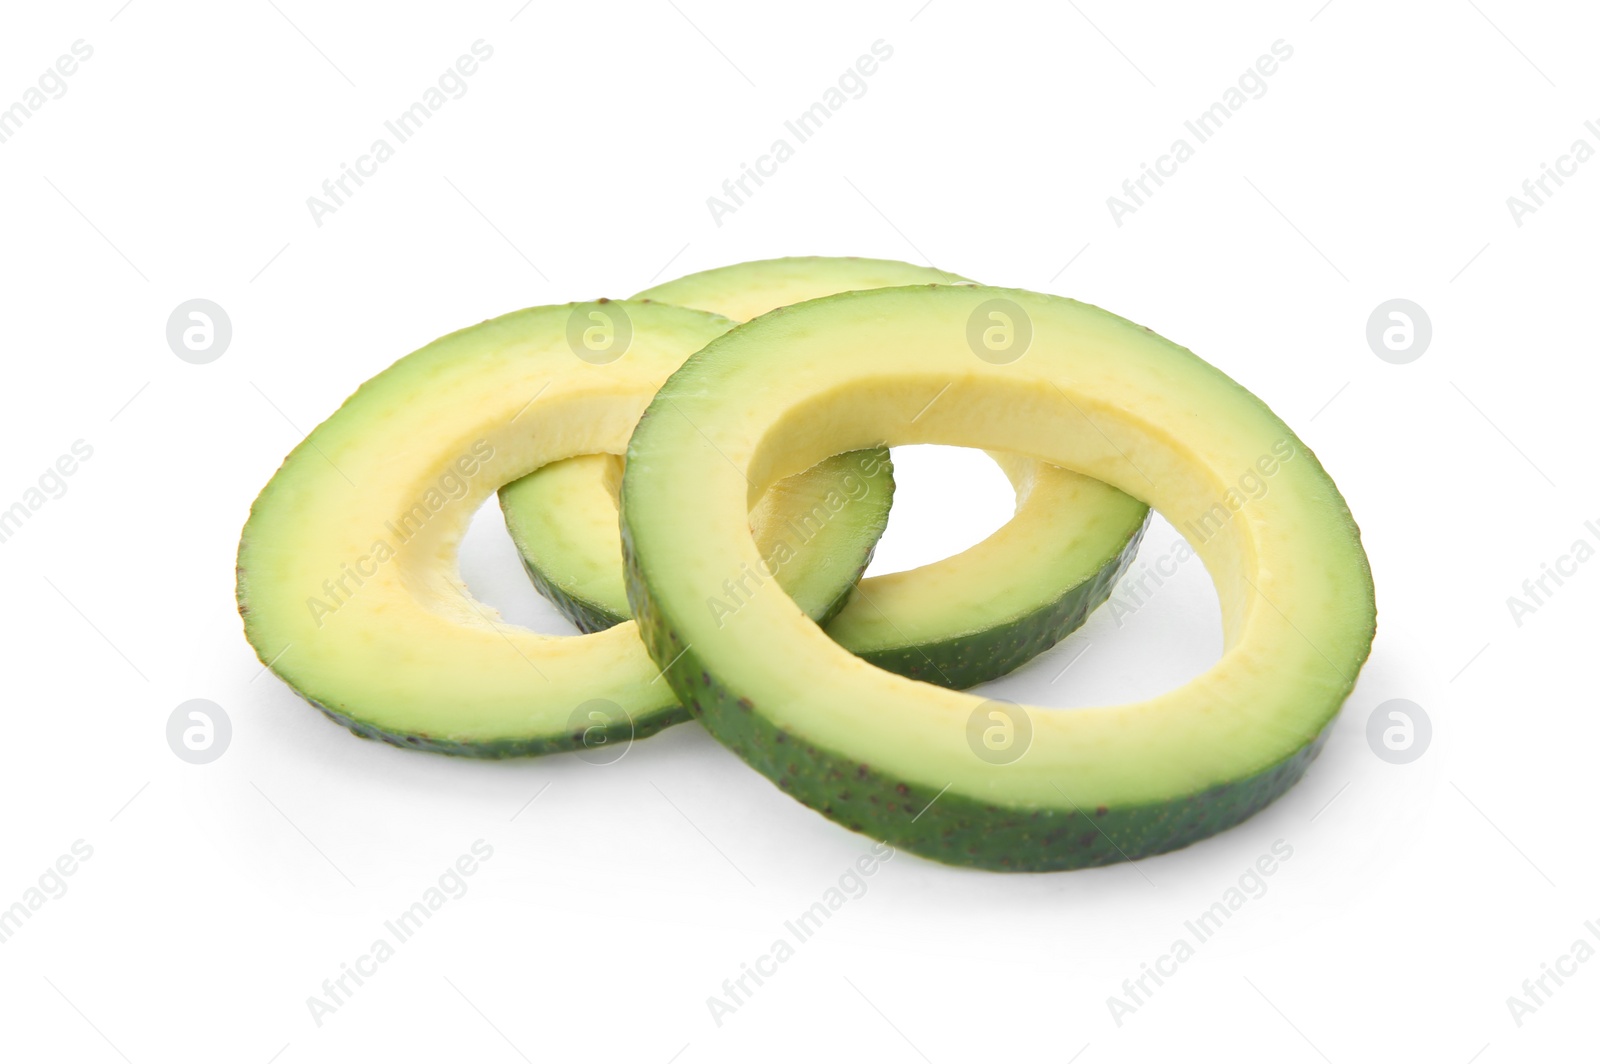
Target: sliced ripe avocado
[(750, 289), (570, 509), (563, 522), (948, 775), (348, 579), (1004, 601), (958, 622)]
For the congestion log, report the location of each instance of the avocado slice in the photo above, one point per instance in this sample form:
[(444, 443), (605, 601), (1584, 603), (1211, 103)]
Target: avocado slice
[(563, 521), (949, 775), (957, 622), (748, 290), (347, 574)]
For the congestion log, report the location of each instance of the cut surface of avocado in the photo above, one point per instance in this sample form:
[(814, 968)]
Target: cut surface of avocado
[(348, 580), (958, 622), (948, 775), (750, 289), (569, 509)]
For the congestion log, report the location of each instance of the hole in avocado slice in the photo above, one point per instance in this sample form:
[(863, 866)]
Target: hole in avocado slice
[(946, 499), (492, 570), (1160, 629)]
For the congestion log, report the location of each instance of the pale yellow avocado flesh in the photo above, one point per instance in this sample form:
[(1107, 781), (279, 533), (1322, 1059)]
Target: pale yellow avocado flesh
[(750, 289)]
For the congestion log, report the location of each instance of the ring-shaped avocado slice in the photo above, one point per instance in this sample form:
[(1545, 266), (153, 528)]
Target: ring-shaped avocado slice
[(950, 775)]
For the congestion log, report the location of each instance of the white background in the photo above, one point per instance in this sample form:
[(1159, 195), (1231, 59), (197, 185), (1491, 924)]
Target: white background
[(219, 897)]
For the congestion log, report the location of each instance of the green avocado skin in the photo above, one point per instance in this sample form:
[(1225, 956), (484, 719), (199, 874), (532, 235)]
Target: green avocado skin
[(494, 750), (948, 828), (959, 831), (964, 661), (586, 616)]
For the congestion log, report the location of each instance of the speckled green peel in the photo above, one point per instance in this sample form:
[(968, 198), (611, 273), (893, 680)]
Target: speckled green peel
[(915, 764), (956, 828), (968, 659), (562, 520)]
